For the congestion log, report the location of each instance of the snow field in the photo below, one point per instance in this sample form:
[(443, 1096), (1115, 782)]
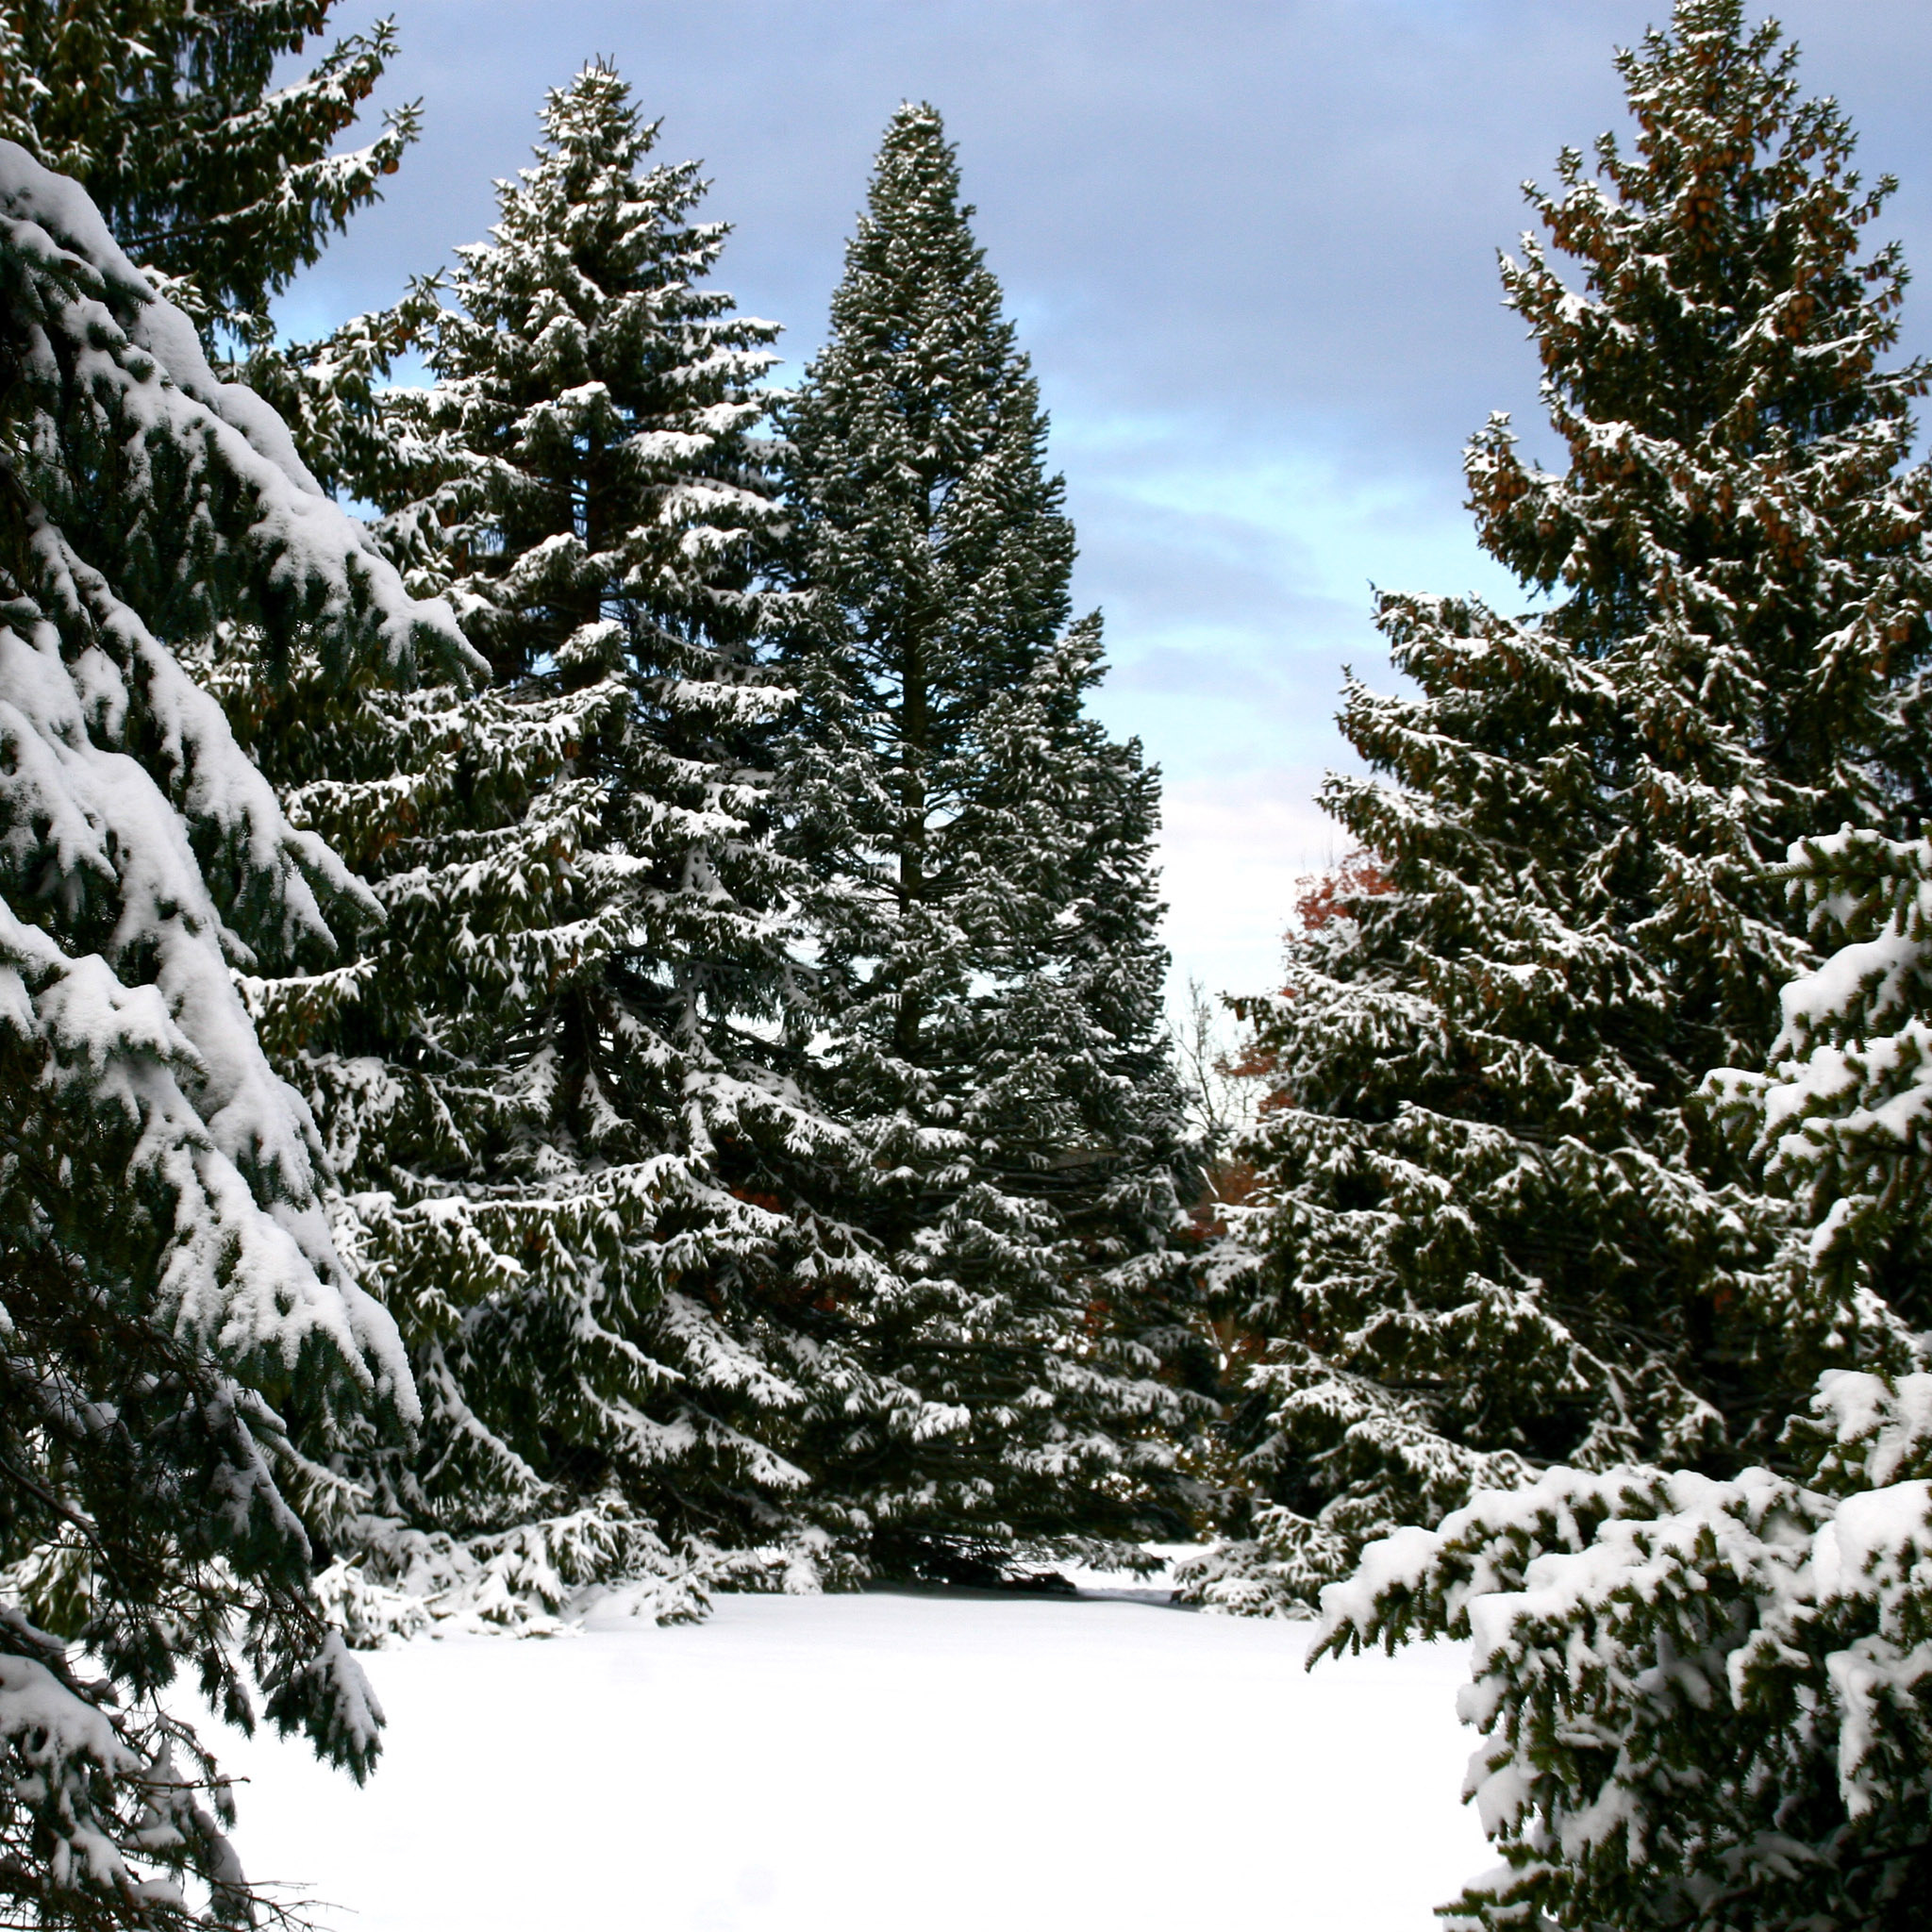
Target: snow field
[(886, 1762)]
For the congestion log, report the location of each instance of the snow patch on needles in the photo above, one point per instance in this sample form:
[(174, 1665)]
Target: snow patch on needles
[(1698, 1696)]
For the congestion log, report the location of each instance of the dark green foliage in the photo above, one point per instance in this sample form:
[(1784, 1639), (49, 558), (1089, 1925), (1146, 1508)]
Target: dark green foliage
[(981, 901), (559, 1092), (1705, 1700), (1494, 1230), (334, 396), (1838, 1123), (175, 1323), (207, 172)]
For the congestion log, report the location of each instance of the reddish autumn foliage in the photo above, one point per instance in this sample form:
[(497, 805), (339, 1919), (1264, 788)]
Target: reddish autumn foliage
[(1359, 876), (1326, 896)]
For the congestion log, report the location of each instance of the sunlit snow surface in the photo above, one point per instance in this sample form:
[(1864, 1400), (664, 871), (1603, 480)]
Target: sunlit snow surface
[(882, 1762)]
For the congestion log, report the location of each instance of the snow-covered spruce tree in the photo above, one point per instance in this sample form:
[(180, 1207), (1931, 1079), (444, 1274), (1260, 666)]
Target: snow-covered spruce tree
[(1708, 1703), (177, 1330), (1705, 1700), (459, 808), (1492, 1234), (557, 1090), (982, 909)]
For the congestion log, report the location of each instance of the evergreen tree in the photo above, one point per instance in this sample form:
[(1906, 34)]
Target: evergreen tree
[(1705, 1700), (178, 1332), (1493, 1231), (982, 910), (209, 174), (460, 811), (558, 1090)]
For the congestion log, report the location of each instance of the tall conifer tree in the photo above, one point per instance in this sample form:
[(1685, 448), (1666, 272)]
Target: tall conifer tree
[(1494, 1231), (558, 1090), (982, 906)]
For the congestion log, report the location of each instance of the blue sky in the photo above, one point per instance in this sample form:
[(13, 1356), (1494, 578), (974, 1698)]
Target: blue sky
[(1250, 245)]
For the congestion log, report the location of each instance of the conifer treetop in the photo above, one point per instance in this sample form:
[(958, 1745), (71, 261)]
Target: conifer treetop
[(1729, 244), (924, 432), (1737, 454), (585, 452), (588, 217)]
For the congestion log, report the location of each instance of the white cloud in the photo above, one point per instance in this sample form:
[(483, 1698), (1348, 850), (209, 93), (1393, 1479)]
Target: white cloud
[(1233, 853)]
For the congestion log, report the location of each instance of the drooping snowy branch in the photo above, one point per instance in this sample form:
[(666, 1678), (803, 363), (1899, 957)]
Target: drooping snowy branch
[(176, 1314), (1704, 1703)]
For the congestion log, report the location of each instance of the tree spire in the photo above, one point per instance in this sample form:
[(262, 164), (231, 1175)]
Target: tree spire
[(983, 907)]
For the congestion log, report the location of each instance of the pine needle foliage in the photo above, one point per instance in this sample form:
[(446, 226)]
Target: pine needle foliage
[(1705, 1700), (982, 909), (212, 175), (1841, 1120), (1495, 1231)]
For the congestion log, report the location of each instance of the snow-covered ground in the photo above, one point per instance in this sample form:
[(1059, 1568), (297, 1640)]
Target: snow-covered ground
[(886, 1762)]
